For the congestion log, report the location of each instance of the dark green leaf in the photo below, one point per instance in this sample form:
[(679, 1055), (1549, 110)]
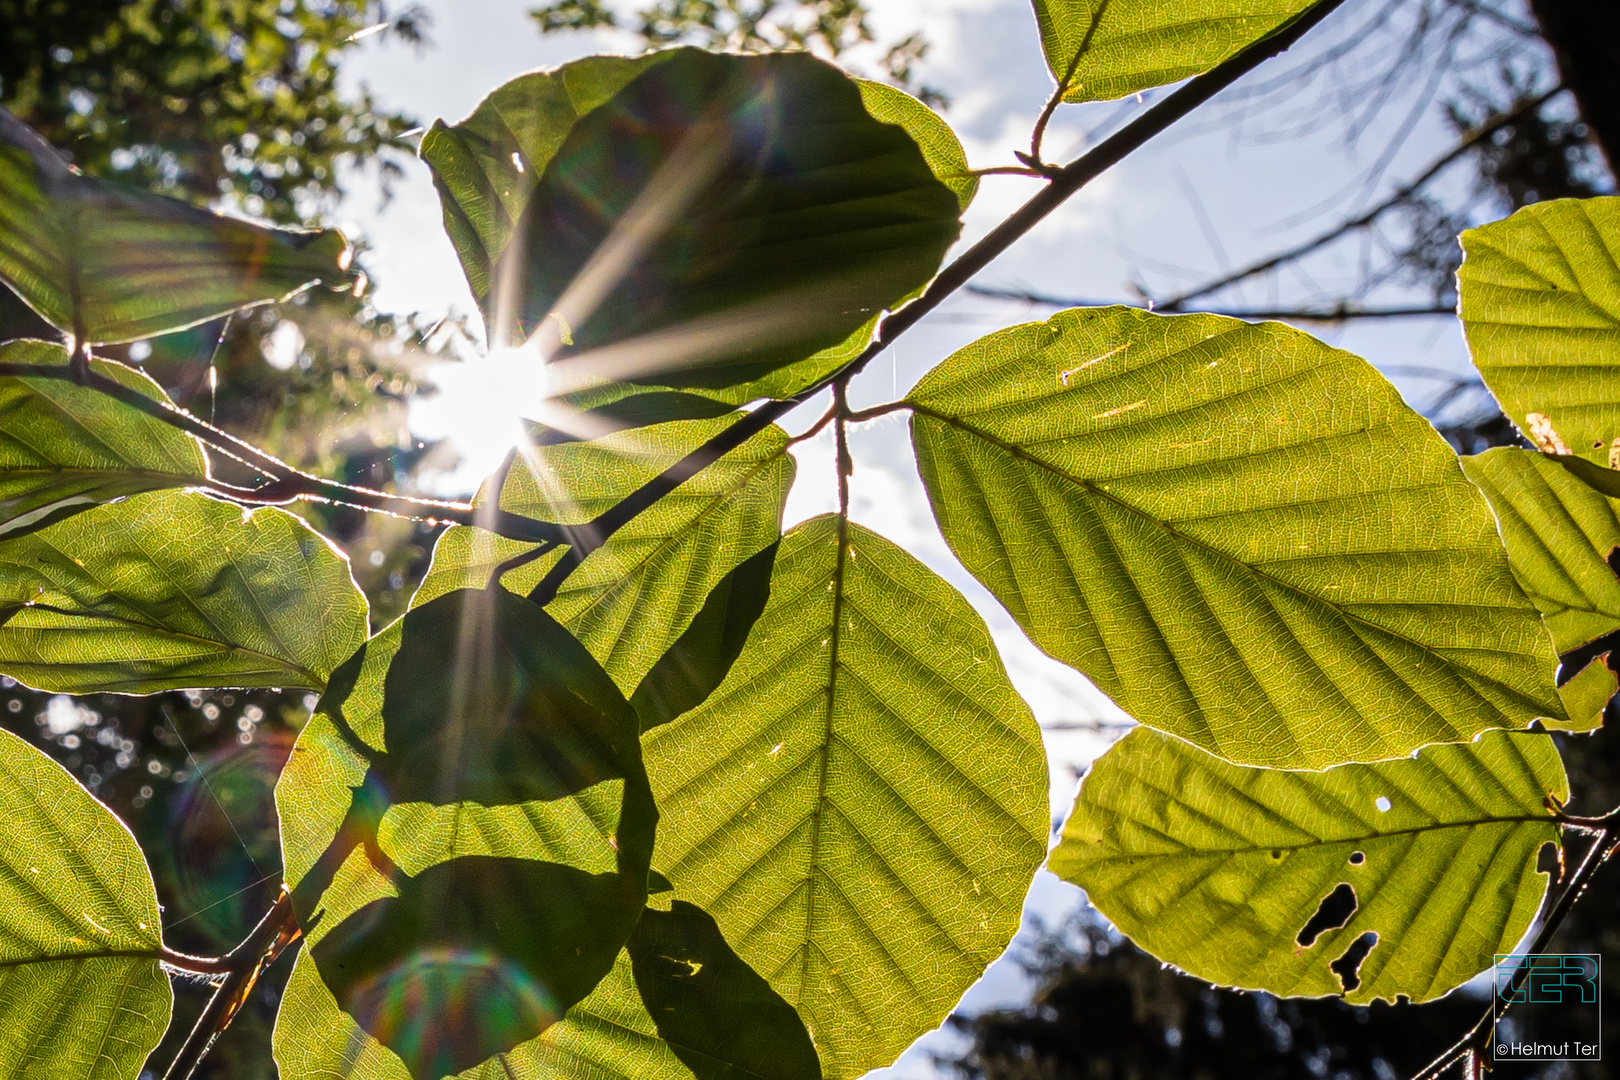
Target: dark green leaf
[(722, 217), (120, 264), (172, 589), (488, 700), (572, 869), (82, 995), (1243, 536), (719, 218), (700, 658), (718, 1015), (623, 414), (1221, 869), (476, 955), (65, 448)]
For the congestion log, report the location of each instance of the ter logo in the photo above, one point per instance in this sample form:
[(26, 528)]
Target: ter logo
[(1549, 979)]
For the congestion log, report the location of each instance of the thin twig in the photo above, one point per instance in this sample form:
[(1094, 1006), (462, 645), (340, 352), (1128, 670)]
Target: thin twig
[(275, 932), (287, 483), (1603, 845), (1071, 178), (1361, 221), (1340, 313)]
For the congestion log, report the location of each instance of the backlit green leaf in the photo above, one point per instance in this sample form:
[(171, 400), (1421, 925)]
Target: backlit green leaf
[(433, 982), (1100, 49), (714, 1011), (121, 264), (171, 589), (1222, 870), (699, 659), (82, 996), (1558, 534), (656, 572), (1243, 536), (1539, 295), (709, 220), (861, 804), (65, 448)]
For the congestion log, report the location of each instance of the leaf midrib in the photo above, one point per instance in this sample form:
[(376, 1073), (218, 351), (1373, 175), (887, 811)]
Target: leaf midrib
[(1097, 490)]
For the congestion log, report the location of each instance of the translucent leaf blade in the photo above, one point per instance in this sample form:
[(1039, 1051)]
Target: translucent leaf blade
[(82, 996), (123, 264), (1221, 870), (173, 590), (863, 841), (65, 448), (1101, 49), (1240, 534)]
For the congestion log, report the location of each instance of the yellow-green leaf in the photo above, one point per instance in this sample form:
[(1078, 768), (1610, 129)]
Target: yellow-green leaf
[(172, 589), (119, 264), (1100, 49), (65, 448), (1539, 295), (1223, 870), (862, 803), (1242, 535), (658, 570), (82, 995)]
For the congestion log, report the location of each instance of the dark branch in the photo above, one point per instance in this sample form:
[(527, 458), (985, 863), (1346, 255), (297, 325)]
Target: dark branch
[(286, 483), (275, 931), (1341, 313), (1064, 183), (1361, 221)]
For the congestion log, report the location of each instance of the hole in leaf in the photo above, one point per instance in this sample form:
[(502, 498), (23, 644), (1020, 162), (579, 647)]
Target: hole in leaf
[(1348, 966), (1357, 858), (1550, 861), (1276, 853), (1333, 912), (1382, 803)]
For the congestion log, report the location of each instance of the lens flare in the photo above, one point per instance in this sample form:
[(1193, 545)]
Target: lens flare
[(443, 1010)]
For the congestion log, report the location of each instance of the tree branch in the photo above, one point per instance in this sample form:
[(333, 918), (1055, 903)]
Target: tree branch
[(1340, 313), (1607, 829), (1063, 184), (275, 931), (287, 483), (1361, 221)]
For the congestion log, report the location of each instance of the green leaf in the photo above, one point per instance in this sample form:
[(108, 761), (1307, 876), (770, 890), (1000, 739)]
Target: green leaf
[(1539, 295), (82, 995), (719, 218), (119, 264), (657, 572), (1558, 533), (623, 414), (1586, 695), (700, 658), (1223, 870), (939, 145), (429, 976), (65, 448), (1101, 49), (525, 715), (475, 956), (608, 1036), (1241, 535), (861, 804), (170, 589), (716, 1013)]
